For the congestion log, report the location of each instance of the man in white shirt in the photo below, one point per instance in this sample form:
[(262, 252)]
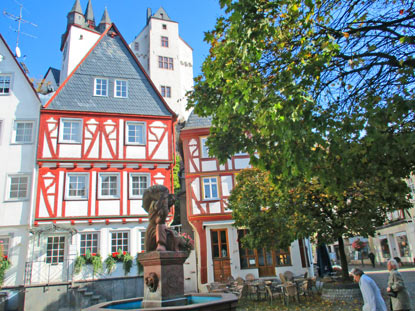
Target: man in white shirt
[(372, 298)]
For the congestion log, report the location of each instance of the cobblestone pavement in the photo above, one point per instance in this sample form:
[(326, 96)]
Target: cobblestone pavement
[(380, 276)]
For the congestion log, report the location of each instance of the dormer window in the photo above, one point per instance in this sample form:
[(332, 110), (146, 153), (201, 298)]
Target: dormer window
[(121, 88), (101, 87), (164, 26)]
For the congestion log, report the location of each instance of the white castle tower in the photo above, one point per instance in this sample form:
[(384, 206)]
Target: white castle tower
[(167, 59)]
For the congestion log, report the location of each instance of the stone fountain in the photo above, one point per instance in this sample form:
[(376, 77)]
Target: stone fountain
[(163, 266)]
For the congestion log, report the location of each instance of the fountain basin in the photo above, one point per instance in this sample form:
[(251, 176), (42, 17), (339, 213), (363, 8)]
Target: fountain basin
[(200, 302)]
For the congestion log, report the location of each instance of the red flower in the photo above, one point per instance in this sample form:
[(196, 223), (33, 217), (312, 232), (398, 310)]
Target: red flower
[(5, 257), (93, 254), (124, 252), (115, 254)]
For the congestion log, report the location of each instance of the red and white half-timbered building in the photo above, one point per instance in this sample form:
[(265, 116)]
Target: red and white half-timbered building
[(105, 136), (208, 186)]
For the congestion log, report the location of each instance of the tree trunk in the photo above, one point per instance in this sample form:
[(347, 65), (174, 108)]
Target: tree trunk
[(343, 259)]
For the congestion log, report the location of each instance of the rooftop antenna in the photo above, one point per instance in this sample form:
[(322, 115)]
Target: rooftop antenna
[(19, 19)]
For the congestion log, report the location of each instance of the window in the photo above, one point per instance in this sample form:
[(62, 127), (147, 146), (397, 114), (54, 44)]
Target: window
[(55, 249), (70, 131), (247, 256), (138, 184), (101, 87), (76, 186), (210, 188), (5, 84), (165, 41), (136, 46), (4, 246), (204, 147), (135, 133), (18, 187), (164, 26), (166, 91), (142, 241), (23, 132), (219, 243), (120, 88), (402, 241), (119, 241), (282, 258), (384, 246), (166, 62), (89, 241), (108, 187)]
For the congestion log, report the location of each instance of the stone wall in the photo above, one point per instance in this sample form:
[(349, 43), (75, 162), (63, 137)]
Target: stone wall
[(74, 297)]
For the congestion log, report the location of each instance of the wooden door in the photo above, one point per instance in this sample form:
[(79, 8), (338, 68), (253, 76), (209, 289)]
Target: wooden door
[(265, 260), (220, 255)]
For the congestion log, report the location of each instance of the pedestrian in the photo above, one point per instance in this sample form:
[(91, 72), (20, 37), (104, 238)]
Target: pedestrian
[(399, 261), (372, 259), (372, 299), (396, 289)]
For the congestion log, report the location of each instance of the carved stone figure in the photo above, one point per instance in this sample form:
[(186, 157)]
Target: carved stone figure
[(152, 282), (157, 202)]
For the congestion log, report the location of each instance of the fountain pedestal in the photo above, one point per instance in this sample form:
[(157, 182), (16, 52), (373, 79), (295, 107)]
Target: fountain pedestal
[(163, 278)]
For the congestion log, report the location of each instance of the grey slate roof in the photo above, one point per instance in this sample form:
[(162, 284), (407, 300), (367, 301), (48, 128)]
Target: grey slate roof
[(77, 7), (56, 74), (112, 60), (194, 121), (89, 12), (161, 13), (105, 18)]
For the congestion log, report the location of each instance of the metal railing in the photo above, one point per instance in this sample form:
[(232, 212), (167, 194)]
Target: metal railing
[(40, 272)]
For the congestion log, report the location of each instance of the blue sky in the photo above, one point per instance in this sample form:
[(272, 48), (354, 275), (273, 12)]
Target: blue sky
[(194, 17)]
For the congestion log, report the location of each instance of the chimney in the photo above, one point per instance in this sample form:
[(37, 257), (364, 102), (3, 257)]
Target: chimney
[(148, 14)]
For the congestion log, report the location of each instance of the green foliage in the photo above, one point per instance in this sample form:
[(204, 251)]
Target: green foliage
[(288, 79), (276, 217), (320, 94), (176, 177), (120, 256), (140, 268), (88, 259), (4, 265), (110, 264)]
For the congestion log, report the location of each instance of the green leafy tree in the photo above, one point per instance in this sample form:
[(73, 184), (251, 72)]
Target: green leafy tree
[(318, 91), (275, 218), (289, 78)]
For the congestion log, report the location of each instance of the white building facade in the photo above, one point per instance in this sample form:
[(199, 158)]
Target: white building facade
[(19, 121)]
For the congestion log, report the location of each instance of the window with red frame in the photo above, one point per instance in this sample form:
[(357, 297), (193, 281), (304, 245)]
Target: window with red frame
[(55, 250), (166, 63), (119, 241), (4, 245), (89, 241), (165, 41)]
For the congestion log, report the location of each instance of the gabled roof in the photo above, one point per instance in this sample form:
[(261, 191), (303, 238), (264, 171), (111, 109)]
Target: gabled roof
[(161, 14), (110, 58), (195, 122), (55, 73), (18, 65)]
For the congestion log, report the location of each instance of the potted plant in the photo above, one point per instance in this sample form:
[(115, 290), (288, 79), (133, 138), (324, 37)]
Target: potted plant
[(120, 256), (88, 258), (4, 265)]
